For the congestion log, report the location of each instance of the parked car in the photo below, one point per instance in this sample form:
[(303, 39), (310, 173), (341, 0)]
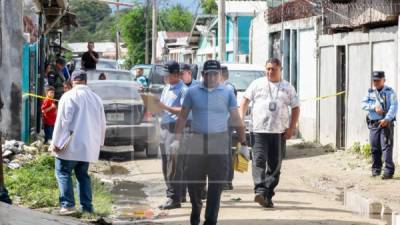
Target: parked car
[(127, 121), (111, 74), (102, 64), (153, 74)]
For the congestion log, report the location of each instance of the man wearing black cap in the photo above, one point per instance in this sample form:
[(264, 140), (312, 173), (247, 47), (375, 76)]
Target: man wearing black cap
[(79, 132), (381, 105), (186, 75), (171, 102), (211, 104), (56, 78)]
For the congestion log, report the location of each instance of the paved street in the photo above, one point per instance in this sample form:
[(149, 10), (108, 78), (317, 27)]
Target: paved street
[(295, 203)]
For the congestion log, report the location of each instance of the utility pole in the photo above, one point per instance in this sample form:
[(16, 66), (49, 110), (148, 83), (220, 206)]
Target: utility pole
[(146, 41), (221, 30), (117, 37), (154, 34)]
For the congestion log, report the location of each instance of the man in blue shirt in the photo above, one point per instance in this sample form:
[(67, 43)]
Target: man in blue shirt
[(381, 104), (186, 75), (170, 102), (211, 105)]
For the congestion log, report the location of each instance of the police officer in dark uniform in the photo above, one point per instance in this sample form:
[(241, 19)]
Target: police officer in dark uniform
[(381, 104)]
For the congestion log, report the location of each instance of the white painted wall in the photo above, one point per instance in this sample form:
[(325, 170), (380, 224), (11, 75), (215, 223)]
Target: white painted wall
[(359, 80), (259, 43), (307, 84), (328, 87)]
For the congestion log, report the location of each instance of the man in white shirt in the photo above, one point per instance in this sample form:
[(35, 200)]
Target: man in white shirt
[(273, 124), (78, 134)]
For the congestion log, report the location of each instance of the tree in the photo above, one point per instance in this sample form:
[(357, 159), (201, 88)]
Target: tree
[(209, 6), (95, 22), (176, 18), (132, 25)]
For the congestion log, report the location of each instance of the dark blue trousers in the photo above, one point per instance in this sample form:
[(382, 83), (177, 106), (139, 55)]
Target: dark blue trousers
[(381, 145)]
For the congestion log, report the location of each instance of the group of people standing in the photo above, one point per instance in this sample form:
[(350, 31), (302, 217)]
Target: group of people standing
[(196, 127)]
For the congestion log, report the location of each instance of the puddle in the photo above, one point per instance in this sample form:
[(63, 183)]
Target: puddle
[(386, 215), (116, 170), (130, 202)]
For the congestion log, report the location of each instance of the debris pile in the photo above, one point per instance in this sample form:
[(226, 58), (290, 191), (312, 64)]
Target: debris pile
[(16, 153)]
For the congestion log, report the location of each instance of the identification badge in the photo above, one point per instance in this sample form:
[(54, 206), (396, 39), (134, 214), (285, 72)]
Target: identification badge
[(272, 106)]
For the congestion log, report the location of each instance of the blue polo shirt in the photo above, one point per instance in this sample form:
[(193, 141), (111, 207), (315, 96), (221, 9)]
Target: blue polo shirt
[(210, 109), (172, 95)]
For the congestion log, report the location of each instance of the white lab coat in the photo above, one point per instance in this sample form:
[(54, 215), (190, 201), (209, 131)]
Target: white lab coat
[(81, 111)]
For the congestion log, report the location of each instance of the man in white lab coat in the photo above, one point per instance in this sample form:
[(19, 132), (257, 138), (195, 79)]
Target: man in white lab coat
[(78, 134)]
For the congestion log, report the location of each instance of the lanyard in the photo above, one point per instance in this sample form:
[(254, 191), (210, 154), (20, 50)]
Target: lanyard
[(277, 92)]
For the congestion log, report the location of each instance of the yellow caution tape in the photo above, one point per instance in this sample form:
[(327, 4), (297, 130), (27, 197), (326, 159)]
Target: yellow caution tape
[(325, 97), (36, 96)]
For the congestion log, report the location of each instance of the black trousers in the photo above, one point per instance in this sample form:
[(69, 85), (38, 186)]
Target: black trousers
[(381, 145), (267, 158), (207, 158)]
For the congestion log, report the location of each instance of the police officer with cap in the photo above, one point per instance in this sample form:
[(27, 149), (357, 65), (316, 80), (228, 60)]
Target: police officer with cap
[(187, 76), (381, 105), (170, 102), (211, 104)]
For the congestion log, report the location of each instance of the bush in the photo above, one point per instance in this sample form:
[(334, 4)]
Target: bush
[(34, 185)]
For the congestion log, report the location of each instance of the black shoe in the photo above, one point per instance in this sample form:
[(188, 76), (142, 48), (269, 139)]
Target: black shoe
[(268, 203), (170, 204), (387, 176), (228, 187), (260, 199), (375, 173), (183, 200)]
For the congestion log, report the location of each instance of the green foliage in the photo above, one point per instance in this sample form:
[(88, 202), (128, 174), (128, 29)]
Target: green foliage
[(363, 150), (34, 185), (176, 18), (132, 26), (209, 7), (95, 22)]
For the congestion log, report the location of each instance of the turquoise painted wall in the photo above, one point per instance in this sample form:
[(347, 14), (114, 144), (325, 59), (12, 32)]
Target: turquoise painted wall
[(244, 23)]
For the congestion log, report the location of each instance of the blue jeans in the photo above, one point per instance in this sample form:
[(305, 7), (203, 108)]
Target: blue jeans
[(63, 174)]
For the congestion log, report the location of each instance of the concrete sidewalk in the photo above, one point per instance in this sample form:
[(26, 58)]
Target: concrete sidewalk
[(13, 215)]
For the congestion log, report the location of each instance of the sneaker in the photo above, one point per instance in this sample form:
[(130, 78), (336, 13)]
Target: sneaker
[(260, 199), (67, 211)]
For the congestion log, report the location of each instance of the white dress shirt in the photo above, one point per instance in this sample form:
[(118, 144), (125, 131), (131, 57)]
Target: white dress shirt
[(81, 112)]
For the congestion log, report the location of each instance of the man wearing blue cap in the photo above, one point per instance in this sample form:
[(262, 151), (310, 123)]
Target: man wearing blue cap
[(79, 132), (171, 102), (211, 104), (381, 105)]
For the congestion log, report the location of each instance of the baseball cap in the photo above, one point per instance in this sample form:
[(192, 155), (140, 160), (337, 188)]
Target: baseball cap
[(211, 65), (377, 75), (172, 66), (79, 75), (184, 66)]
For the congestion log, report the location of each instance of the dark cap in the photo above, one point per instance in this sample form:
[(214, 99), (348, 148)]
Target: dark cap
[(211, 65), (377, 75), (79, 75), (172, 66), (184, 66), (60, 61)]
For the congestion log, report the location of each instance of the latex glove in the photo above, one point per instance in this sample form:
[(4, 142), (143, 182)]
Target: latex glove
[(174, 147), (244, 150)]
